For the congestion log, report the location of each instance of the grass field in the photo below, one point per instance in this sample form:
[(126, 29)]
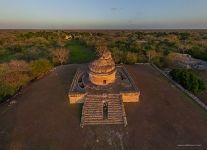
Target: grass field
[(79, 53)]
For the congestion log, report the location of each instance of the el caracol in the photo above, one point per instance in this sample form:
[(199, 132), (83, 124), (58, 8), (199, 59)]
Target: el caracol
[(102, 87)]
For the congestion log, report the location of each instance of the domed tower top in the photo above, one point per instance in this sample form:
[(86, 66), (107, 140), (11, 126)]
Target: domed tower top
[(104, 65)]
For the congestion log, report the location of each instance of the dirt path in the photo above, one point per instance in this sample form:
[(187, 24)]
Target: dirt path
[(43, 119)]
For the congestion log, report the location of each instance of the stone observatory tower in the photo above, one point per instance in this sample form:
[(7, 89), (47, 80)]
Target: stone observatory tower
[(102, 71), (103, 88)]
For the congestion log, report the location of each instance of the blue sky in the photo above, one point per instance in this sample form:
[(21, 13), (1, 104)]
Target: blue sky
[(103, 14)]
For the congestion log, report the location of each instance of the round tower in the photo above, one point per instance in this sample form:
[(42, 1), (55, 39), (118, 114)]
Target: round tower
[(102, 71)]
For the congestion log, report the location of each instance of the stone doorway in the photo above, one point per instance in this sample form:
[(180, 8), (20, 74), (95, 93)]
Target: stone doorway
[(105, 110)]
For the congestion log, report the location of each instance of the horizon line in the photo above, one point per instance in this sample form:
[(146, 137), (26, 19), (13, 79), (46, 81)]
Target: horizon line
[(103, 29)]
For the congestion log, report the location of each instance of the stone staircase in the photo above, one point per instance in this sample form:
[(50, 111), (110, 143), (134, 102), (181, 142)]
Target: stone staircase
[(92, 112)]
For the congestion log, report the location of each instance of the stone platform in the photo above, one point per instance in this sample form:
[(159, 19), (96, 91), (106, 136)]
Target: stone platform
[(94, 97)]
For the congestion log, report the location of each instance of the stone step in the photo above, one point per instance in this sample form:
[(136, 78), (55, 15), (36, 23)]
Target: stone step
[(114, 110), (103, 122), (114, 106), (109, 110), (115, 113), (93, 110), (94, 106), (101, 116), (94, 114), (115, 101), (118, 115), (93, 98), (100, 113), (115, 117), (94, 102), (94, 119)]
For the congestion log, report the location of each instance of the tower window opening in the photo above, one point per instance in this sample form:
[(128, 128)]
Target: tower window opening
[(104, 81)]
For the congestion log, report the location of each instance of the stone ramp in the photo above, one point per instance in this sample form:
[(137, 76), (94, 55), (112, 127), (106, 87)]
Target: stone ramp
[(92, 112)]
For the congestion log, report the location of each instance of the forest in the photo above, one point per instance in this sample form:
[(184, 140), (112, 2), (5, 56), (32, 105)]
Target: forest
[(28, 55)]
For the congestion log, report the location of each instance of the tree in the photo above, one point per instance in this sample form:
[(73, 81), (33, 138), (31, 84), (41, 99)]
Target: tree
[(151, 54), (131, 58), (117, 55), (188, 80), (40, 67), (60, 55), (60, 39)]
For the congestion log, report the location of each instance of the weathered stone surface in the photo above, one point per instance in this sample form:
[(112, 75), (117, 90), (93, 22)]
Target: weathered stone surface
[(130, 97), (92, 112), (76, 98), (102, 79), (102, 71)]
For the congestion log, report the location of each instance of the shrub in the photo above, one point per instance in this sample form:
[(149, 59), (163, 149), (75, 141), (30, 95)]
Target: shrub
[(60, 55), (40, 67), (188, 80), (11, 83), (198, 52), (141, 58), (117, 55), (131, 58), (12, 77)]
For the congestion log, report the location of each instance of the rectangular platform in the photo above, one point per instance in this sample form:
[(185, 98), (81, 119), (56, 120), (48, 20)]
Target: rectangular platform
[(103, 104)]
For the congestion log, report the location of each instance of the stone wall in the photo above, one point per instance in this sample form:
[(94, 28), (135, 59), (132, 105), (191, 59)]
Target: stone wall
[(130, 96), (76, 97), (102, 79)]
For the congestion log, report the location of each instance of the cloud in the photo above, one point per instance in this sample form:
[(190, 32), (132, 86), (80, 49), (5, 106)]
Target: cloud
[(116, 9), (113, 9)]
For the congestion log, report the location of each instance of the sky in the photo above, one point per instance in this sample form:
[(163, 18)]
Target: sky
[(103, 14)]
